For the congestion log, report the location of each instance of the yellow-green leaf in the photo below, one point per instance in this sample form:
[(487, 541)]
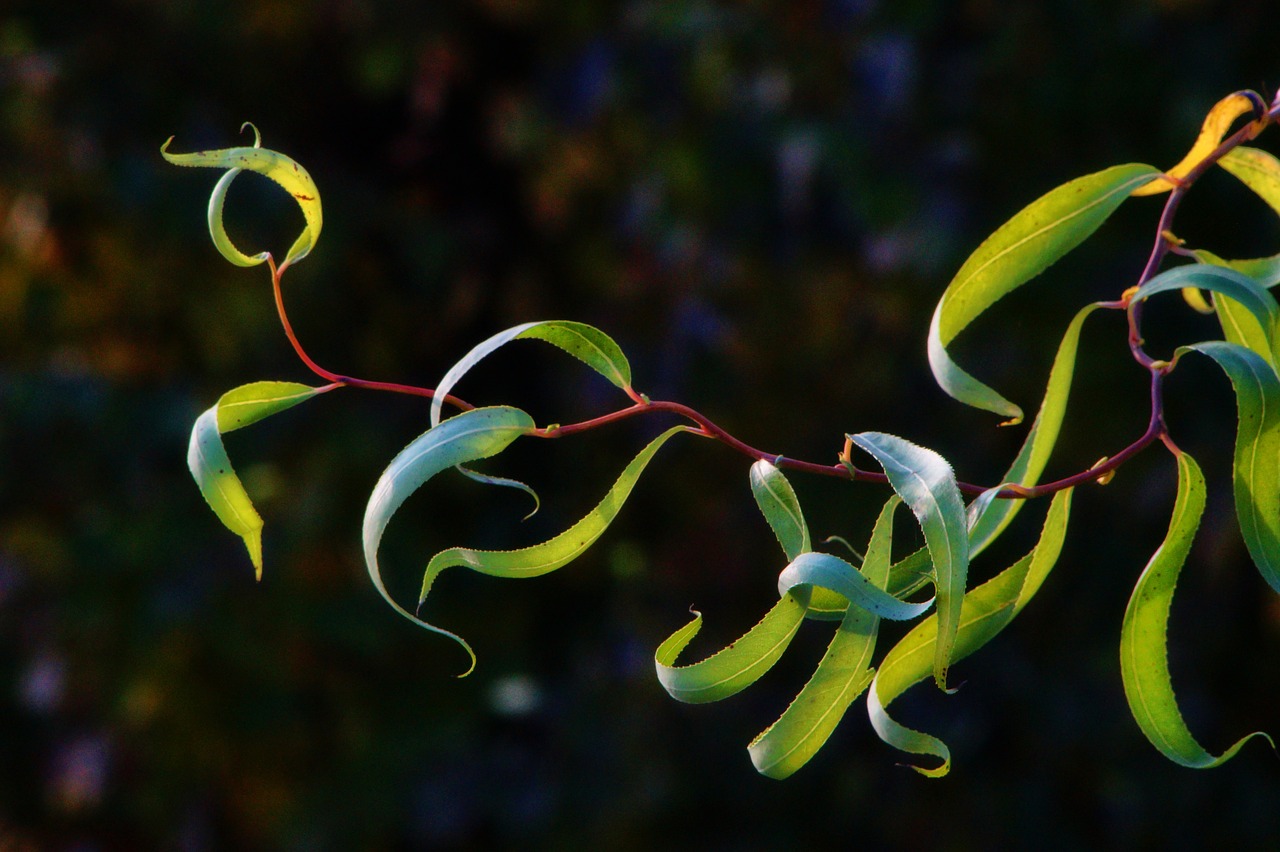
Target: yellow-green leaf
[(1215, 127)]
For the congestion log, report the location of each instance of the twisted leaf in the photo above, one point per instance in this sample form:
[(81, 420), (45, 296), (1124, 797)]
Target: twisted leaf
[(271, 164), (1215, 127), (927, 483), (1038, 236), (211, 468), (844, 671), (475, 434), (1144, 653), (987, 609)]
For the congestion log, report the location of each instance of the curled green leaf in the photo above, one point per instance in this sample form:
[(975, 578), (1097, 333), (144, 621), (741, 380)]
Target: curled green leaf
[(986, 610), (270, 164), (927, 483), (1240, 288), (1144, 653), (1036, 237), (211, 468), (826, 571), (841, 676), (1239, 325), (476, 434), (555, 552)]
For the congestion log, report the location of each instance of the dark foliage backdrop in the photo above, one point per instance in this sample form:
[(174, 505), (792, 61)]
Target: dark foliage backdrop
[(761, 201)]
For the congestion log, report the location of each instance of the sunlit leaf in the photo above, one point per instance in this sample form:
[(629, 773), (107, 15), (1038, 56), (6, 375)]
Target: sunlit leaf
[(927, 483), (559, 550), (831, 572), (1257, 169), (1144, 656), (987, 609), (1256, 470), (1022, 248), (842, 674), (1215, 127), (737, 666), (1239, 325), (1240, 288), (586, 343), (211, 468), (1041, 438), (270, 164), (471, 435)]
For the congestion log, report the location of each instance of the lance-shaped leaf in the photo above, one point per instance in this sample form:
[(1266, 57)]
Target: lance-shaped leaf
[(987, 610), (1240, 288), (831, 572), (1256, 469), (211, 468), (271, 164), (588, 344), (475, 434), (844, 671), (1144, 655), (1022, 248), (1038, 446), (555, 552), (927, 483), (1239, 326), (1215, 127), (780, 507)]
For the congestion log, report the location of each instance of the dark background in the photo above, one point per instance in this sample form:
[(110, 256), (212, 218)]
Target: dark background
[(761, 202)]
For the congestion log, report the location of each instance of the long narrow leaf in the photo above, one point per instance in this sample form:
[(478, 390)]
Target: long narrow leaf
[(1256, 469), (841, 676), (1215, 127), (586, 343), (1257, 169), (475, 434), (1036, 237), (1144, 656), (271, 164), (1250, 295), (987, 610), (927, 483), (555, 552), (211, 468)]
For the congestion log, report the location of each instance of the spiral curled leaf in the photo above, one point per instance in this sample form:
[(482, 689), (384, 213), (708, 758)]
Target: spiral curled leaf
[(273, 165)]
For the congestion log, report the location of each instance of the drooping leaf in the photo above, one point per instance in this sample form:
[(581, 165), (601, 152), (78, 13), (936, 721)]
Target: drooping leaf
[(1041, 438), (586, 343), (469, 436), (1215, 127), (271, 164), (1256, 469), (987, 609), (927, 483), (559, 550), (842, 674), (211, 468), (1022, 248), (1144, 655)]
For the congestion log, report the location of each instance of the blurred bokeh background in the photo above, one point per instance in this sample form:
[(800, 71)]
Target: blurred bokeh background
[(761, 201)]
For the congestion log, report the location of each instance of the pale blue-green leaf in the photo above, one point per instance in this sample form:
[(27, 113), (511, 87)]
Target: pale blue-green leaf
[(1251, 295), (1238, 324), (586, 343), (927, 483), (828, 571), (1256, 469), (1022, 248), (987, 609), (842, 674), (1144, 655), (271, 164), (471, 435)]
